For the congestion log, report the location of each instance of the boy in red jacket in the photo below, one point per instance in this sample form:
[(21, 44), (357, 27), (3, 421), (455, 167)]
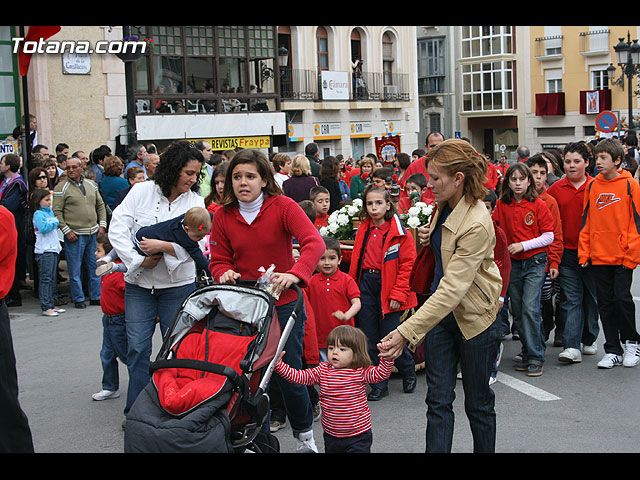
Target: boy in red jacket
[(114, 333), (539, 169)]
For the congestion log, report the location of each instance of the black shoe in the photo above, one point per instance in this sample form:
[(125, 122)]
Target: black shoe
[(94, 302), (377, 394), (81, 305), (13, 303), (409, 383), (59, 302)]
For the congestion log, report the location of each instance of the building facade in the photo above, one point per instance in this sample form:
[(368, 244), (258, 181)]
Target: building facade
[(271, 87), (573, 77)]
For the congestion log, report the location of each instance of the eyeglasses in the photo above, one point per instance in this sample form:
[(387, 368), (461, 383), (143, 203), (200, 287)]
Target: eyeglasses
[(72, 167), (42, 177)]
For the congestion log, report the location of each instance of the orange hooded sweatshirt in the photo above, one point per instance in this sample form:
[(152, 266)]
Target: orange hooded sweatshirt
[(610, 232)]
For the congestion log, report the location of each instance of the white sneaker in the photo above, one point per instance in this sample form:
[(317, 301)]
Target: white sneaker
[(570, 355), (105, 395), (305, 443), (50, 313), (631, 356), (610, 360), (589, 349), (104, 269)]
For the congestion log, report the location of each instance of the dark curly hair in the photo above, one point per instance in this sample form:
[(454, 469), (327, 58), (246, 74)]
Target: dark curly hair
[(172, 161)]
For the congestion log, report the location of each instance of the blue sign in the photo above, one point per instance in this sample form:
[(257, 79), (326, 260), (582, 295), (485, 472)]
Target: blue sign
[(606, 121)]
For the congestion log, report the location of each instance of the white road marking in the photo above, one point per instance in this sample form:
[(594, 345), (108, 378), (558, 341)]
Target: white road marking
[(526, 388)]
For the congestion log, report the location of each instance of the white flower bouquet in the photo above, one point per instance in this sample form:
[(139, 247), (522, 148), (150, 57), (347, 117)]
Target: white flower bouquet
[(340, 224), (419, 215)]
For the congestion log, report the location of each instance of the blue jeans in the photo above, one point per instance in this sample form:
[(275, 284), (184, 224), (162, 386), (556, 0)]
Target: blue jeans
[(580, 307), (114, 347), (376, 326), (142, 307), (47, 278), (444, 348), (79, 254), (525, 288), (297, 403)]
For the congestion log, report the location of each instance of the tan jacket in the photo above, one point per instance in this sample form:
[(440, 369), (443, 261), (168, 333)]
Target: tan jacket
[(471, 283)]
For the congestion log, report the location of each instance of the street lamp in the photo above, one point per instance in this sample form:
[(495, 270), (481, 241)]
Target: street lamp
[(628, 56)]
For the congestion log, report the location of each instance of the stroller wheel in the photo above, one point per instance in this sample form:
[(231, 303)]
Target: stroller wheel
[(264, 442)]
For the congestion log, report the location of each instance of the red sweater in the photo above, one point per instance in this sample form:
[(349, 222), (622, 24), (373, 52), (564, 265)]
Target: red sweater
[(502, 258), (112, 293), (570, 204), (523, 221), (9, 250), (555, 250), (244, 248), (343, 393)]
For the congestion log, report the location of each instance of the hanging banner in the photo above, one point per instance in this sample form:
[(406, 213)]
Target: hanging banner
[(387, 147)]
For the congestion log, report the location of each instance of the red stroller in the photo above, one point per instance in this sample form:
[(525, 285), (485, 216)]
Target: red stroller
[(208, 383)]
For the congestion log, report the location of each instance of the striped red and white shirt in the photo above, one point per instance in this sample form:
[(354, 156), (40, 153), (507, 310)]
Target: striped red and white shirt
[(343, 393)]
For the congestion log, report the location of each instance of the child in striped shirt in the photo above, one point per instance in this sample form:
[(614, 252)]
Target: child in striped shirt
[(343, 379)]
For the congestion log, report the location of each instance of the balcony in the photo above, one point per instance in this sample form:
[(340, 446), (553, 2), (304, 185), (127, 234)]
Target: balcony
[(594, 42), (549, 47), (549, 104), (369, 86), (432, 85)]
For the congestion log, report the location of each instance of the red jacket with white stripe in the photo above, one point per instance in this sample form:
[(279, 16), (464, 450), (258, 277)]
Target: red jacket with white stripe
[(399, 255)]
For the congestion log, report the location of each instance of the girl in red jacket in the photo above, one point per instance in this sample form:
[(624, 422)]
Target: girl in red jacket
[(254, 229), (382, 259)]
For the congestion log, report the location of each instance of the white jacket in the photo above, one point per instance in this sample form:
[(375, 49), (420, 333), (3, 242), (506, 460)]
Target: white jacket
[(146, 205)]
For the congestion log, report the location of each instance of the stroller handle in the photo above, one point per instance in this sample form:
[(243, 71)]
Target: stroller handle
[(286, 331)]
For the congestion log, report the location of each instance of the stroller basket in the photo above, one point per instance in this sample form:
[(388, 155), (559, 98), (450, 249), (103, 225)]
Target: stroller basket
[(208, 382)]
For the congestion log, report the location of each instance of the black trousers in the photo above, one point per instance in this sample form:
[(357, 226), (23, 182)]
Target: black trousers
[(358, 444), (615, 306), (15, 434)]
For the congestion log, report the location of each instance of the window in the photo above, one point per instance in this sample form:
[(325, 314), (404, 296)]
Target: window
[(323, 48), (482, 41), (553, 80), (431, 65), (387, 59), (487, 86), (599, 78), (206, 69)]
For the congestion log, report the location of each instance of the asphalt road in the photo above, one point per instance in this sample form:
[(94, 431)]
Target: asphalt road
[(570, 409)]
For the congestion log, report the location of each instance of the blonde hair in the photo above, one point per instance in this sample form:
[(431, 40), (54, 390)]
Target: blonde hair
[(198, 218), (353, 338), (367, 161), (455, 155), (300, 166)]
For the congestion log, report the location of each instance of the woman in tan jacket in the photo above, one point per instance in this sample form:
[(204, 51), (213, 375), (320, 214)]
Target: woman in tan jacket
[(457, 321)]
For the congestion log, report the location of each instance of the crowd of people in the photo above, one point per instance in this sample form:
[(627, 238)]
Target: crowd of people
[(549, 240)]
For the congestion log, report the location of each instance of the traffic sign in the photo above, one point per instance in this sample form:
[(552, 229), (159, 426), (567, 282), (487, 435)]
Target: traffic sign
[(606, 121)]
